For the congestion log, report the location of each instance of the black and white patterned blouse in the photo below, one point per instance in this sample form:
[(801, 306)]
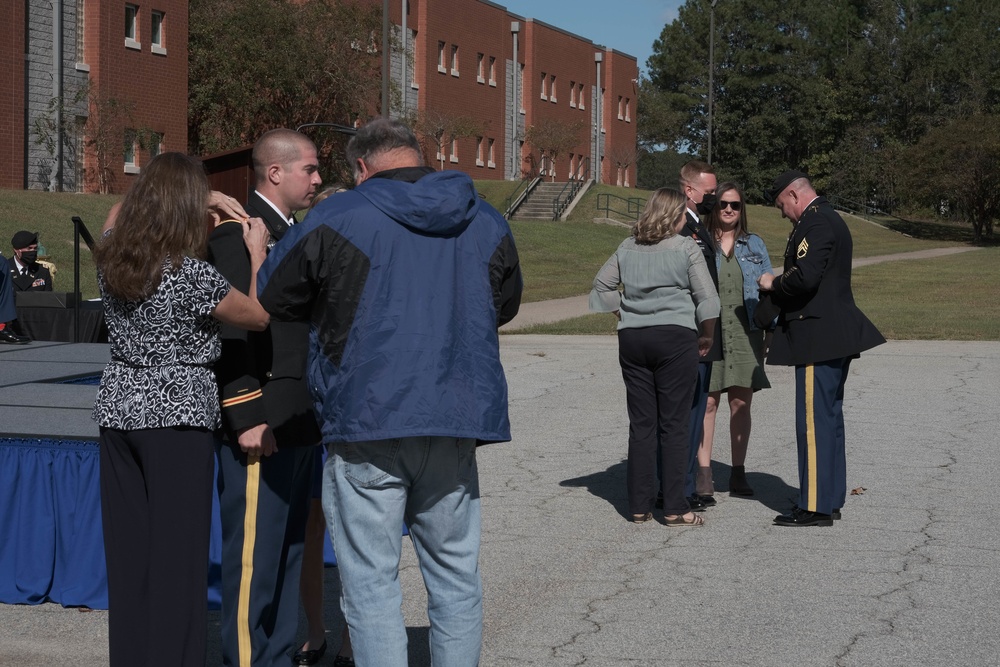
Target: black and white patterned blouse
[(162, 351)]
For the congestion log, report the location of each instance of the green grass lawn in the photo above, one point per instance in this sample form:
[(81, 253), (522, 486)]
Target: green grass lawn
[(945, 298)]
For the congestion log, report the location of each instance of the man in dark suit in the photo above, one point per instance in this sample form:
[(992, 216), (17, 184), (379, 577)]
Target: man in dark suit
[(697, 183), (820, 330), (265, 463), (26, 274)]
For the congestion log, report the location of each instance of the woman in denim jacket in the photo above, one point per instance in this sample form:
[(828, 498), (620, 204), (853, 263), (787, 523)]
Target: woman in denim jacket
[(741, 259)]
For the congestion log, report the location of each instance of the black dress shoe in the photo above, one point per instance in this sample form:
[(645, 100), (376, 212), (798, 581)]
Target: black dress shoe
[(8, 337), (708, 500), (800, 518), (310, 657), (835, 515), (696, 504)]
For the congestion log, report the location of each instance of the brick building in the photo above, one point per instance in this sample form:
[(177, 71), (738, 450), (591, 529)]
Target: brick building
[(120, 71), (457, 59)]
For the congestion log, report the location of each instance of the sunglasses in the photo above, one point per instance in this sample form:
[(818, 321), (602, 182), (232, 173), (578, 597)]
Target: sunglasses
[(735, 205)]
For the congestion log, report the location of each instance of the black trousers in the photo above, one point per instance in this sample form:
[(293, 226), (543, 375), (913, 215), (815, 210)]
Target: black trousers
[(156, 507), (659, 366), (264, 504)]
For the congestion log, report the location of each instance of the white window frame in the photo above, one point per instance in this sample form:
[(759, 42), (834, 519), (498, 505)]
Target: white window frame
[(157, 19), (545, 79), (155, 144), (628, 119), (521, 91), (441, 67), (453, 153), (552, 88), (621, 107), (454, 59), (132, 27), (490, 156), (493, 71), (480, 57), (579, 104), (129, 156), (572, 94)]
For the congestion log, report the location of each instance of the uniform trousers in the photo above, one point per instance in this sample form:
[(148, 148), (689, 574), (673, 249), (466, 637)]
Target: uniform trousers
[(696, 425), (156, 510), (819, 431), (659, 367), (264, 503)]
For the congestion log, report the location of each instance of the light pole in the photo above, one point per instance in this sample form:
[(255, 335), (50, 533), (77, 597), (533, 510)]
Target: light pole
[(711, 75)]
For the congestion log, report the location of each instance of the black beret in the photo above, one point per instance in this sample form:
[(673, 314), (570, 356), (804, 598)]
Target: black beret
[(23, 239), (782, 182)]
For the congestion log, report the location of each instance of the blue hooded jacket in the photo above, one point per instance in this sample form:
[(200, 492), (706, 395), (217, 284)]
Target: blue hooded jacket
[(405, 283)]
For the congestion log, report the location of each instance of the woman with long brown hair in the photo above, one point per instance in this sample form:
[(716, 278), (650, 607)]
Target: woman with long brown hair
[(658, 285), (157, 406)]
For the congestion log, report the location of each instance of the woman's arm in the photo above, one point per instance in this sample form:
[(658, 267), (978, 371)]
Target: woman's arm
[(605, 297), (237, 308)]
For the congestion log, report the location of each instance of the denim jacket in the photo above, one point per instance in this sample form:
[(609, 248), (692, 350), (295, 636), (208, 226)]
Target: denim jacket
[(751, 254)]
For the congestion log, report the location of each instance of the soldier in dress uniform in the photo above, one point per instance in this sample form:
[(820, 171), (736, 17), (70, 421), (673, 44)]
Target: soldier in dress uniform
[(820, 330), (26, 274)]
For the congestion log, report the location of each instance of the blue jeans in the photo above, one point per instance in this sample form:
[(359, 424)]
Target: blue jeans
[(431, 483)]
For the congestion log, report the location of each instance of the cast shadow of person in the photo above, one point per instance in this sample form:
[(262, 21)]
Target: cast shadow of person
[(769, 490)]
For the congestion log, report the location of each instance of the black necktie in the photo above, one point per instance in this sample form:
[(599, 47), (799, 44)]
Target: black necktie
[(24, 272)]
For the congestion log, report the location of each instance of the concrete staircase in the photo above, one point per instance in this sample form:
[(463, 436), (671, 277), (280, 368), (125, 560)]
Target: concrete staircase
[(538, 205)]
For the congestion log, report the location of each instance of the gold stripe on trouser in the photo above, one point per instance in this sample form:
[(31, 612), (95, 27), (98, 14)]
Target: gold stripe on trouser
[(811, 436), (249, 537)]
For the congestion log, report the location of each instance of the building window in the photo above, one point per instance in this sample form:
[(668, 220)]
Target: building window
[(441, 61), (80, 15), (521, 91), (480, 68), (156, 33), (602, 111), (479, 152), (453, 157), (454, 60), (545, 83), (129, 152), (491, 157), (493, 71), (552, 88), (579, 98), (155, 144), (621, 108), (132, 27), (572, 94), (628, 114)]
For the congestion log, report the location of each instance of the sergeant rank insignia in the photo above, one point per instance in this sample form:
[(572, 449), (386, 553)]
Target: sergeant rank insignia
[(802, 249)]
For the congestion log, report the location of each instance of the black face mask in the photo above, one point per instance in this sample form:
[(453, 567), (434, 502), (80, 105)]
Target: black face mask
[(29, 257), (707, 203)]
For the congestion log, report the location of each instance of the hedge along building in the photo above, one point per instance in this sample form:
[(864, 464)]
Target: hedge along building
[(91, 90), (501, 79), (94, 88)]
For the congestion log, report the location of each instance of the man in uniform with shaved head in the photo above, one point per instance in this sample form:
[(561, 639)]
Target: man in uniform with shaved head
[(265, 464)]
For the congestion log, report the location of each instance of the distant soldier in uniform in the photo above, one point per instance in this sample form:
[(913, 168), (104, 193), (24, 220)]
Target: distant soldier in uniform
[(26, 274), (820, 330)]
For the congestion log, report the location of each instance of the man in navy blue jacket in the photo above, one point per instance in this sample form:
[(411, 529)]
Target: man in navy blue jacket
[(405, 280)]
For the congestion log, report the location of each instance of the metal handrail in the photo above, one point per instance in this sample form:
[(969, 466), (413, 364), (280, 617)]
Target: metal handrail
[(573, 185), (860, 210), (516, 198), (633, 205), (79, 231)]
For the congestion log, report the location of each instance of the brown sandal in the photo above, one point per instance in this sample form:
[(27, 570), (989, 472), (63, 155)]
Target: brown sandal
[(679, 520), (642, 518)]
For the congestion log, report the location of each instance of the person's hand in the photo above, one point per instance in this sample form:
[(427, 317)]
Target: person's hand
[(223, 207), (257, 440), (765, 282), (704, 345), (618, 315), (255, 237)]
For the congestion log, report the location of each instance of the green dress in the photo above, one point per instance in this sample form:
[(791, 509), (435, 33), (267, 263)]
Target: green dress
[(742, 364)]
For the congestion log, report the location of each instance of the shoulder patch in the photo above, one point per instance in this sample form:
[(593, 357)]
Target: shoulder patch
[(803, 248)]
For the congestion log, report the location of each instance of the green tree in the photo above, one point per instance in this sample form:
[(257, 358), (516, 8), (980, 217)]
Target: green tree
[(259, 64), (954, 169)]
